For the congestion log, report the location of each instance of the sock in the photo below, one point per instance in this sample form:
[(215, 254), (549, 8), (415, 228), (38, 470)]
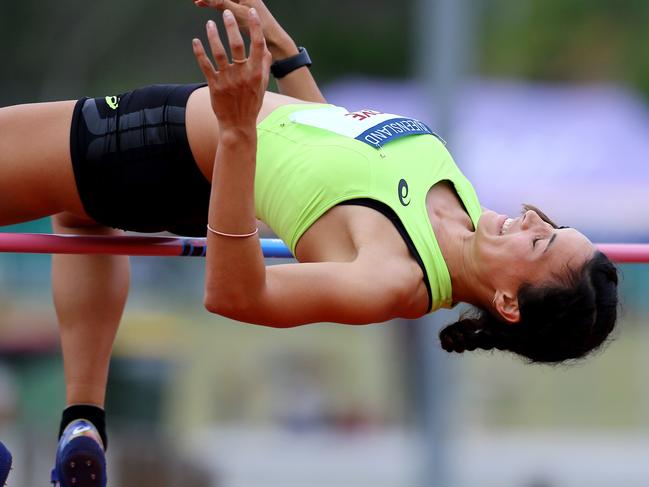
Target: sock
[(94, 414)]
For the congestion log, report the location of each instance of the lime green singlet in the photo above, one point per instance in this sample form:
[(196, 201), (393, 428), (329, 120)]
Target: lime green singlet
[(313, 157)]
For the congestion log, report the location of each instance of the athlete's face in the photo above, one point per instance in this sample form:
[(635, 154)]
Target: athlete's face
[(528, 249)]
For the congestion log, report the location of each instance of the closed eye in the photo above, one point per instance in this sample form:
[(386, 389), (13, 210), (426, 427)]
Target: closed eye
[(536, 239)]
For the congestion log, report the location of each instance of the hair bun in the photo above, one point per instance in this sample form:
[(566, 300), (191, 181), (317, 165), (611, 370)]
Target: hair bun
[(467, 334)]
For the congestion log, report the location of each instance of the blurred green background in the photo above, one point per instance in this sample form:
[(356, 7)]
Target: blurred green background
[(112, 46)]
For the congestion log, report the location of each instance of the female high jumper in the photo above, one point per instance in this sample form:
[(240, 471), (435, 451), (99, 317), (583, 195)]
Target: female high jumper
[(383, 223)]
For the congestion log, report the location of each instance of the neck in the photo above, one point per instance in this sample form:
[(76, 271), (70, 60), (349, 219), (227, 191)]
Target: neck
[(455, 233), (468, 287)]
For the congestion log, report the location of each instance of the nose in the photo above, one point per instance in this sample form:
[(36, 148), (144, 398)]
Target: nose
[(531, 220)]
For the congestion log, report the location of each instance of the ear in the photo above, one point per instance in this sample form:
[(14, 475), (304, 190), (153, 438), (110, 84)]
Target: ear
[(506, 305)]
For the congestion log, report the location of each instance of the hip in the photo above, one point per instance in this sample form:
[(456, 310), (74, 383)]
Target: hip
[(132, 162)]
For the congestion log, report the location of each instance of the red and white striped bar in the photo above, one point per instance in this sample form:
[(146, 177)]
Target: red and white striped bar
[(626, 253), (37, 243)]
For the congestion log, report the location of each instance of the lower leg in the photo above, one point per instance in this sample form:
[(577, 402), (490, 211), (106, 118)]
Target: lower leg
[(89, 296)]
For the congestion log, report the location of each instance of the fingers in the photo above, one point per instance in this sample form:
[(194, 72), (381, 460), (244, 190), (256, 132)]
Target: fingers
[(218, 51), (259, 55), (203, 61), (237, 47), (257, 40), (234, 5), (229, 4)]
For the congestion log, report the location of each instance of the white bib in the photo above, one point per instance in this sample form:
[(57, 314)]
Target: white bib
[(369, 126)]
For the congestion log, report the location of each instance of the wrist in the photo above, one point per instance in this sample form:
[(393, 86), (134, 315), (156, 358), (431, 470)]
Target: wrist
[(282, 67), (284, 48), (236, 135)]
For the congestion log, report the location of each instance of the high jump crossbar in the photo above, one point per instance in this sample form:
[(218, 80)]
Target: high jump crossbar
[(39, 243)]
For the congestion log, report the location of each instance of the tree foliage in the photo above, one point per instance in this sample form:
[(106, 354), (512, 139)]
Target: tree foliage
[(569, 40), (72, 48)]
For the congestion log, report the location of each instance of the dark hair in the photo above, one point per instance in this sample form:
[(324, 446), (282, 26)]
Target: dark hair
[(557, 322)]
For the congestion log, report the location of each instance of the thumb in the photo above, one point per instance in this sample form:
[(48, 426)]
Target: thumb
[(240, 11), (234, 6)]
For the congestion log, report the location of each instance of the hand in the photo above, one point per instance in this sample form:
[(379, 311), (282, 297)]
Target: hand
[(236, 89), (279, 42)]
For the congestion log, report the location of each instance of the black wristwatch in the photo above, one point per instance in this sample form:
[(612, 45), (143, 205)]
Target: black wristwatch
[(285, 66)]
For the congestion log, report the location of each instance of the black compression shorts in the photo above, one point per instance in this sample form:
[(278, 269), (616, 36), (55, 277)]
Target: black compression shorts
[(132, 163)]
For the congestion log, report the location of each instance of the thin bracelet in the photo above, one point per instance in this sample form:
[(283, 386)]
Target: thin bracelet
[(233, 235)]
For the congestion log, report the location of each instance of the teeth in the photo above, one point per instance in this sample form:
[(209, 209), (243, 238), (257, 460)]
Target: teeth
[(506, 225)]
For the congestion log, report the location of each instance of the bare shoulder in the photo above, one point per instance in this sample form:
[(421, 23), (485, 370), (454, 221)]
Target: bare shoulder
[(396, 271), (384, 252)]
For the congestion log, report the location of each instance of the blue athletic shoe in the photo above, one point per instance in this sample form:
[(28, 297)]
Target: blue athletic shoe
[(5, 464), (80, 460)]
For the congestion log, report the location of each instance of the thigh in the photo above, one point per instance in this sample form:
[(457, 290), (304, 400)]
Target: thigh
[(36, 177)]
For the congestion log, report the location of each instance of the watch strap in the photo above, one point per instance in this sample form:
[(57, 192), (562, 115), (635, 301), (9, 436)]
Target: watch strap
[(281, 68)]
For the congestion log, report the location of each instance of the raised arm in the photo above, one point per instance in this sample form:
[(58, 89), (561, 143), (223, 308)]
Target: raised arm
[(238, 285), (300, 83)]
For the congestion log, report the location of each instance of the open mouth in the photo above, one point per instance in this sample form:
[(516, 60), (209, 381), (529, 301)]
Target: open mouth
[(505, 226)]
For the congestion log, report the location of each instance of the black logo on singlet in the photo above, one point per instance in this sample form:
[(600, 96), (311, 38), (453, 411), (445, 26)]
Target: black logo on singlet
[(403, 193)]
